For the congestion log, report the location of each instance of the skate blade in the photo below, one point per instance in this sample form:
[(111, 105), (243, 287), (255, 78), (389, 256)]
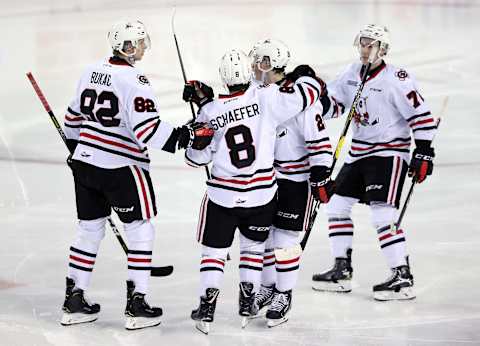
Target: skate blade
[(261, 313), (405, 293), (246, 320), (69, 319), (203, 327), (133, 323), (276, 322), (342, 286)]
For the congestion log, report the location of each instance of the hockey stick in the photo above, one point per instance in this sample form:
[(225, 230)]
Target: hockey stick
[(338, 149), (396, 226), (155, 271), (183, 72)]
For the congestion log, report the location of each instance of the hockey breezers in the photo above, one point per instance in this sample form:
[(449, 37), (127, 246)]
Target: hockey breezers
[(155, 271), (338, 149)]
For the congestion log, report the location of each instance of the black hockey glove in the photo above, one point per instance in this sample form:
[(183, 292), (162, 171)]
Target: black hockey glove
[(198, 93), (194, 135), (321, 184), (300, 71), (421, 164)]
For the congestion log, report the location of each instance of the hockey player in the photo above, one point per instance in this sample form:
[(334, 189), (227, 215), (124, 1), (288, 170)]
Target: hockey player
[(390, 108), (111, 121), (242, 190), (303, 156)]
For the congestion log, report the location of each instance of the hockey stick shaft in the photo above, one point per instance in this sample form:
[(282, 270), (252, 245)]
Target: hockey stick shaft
[(414, 182), (159, 271), (338, 149), (207, 171)]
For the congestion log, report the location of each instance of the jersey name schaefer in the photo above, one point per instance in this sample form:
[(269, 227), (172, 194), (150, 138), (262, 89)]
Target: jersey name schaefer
[(390, 106), (114, 116), (242, 149)]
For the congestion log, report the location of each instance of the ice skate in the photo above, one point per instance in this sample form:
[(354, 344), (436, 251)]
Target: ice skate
[(278, 311), (262, 301), (398, 287), (76, 308), (337, 279), (139, 314), (246, 298), (205, 312)]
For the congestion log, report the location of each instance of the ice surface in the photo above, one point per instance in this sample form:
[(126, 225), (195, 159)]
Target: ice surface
[(435, 40)]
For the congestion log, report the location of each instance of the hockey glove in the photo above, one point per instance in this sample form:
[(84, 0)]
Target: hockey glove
[(198, 93), (195, 135), (300, 71), (421, 164), (321, 184)]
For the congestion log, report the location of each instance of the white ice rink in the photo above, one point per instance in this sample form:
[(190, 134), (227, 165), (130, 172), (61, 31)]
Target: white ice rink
[(437, 40)]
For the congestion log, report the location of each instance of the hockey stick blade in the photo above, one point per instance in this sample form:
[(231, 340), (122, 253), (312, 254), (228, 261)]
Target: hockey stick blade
[(161, 271)]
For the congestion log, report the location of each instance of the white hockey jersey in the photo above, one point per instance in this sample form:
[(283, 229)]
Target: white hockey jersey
[(114, 116), (242, 149), (302, 142), (389, 108)]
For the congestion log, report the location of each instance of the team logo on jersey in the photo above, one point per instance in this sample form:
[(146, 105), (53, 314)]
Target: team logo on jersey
[(142, 79), (361, 116), (402, 75)]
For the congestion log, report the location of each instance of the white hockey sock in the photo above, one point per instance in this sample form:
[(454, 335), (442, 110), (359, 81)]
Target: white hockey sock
[(83, 251), (212, 264), (287, 263), (340, 233), (140, 235), (251, 261), (269, 274), (340, 225), (392, 241)]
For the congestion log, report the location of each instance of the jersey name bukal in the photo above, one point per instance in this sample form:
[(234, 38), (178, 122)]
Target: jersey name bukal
[(100, 78), (236, 114)]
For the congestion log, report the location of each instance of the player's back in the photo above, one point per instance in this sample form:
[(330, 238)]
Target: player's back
[(100, 109), (243, 145)]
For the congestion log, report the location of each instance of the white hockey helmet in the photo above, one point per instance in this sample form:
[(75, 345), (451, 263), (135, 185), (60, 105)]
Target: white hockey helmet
[(235, 68), (276, 51), (375, 32), (128, 32)]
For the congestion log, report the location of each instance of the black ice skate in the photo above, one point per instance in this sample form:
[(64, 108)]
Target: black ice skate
[(262, 300), (398, 287), (206, 310), (278, 310), (246, 299), (337, 279), (139, 314), (76, 308)]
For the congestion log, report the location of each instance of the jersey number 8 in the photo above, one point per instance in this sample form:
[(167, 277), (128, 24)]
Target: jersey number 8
[(240, 142)]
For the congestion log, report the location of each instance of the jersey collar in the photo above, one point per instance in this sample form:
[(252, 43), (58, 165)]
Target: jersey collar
[(235, 94), (373, 73), (115, 60)]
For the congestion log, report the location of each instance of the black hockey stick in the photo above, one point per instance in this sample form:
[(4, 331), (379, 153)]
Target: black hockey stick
[(394, 227), (183, 73), (338, 149), (155, 271)]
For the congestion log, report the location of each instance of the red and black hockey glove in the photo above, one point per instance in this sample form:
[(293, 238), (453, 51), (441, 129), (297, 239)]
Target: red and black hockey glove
[(300, 71), (421, 164), (321, 183), (195, 135), (198, 93)]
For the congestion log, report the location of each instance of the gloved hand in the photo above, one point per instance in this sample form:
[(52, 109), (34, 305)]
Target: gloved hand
[(421, 164), (195, 135), (300, 71), (321, 184), (70, 161), (198, 93)]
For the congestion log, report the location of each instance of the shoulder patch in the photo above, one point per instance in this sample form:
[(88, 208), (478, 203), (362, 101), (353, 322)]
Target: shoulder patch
[(142, 79), (401, 74)]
